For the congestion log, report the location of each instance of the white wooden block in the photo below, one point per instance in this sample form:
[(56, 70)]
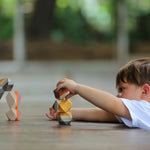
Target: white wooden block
[(11, 99), (65, 118), (62, 97), (12, 114)]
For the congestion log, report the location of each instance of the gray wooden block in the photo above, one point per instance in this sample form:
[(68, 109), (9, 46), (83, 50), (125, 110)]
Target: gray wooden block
[(56, 105), (64, 122), (9, 86), (1, 92)]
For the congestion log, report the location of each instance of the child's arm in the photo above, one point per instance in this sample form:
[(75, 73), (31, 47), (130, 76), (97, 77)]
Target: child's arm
[(92, 114), (86, 114), (101, 99)]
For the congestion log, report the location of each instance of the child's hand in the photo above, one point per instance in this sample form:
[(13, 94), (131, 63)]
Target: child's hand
[(69, 85), (52, 114)]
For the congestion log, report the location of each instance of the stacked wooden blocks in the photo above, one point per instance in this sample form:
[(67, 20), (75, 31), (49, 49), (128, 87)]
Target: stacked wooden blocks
[(11, 98), (62, 106)]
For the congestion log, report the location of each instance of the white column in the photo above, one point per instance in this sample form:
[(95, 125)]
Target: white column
[(19, 36), (122, 39)]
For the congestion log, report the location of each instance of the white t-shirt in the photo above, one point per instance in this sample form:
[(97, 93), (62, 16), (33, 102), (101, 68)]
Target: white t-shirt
[(140, 114)]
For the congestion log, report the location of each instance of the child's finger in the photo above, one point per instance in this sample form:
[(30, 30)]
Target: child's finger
[(61, 81), (59, 87), (52, 111), (49, 116), (60, 84), (55, 116), (69, 95)]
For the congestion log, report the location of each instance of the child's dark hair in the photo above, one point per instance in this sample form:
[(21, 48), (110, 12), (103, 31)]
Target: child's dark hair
[(136, 71)]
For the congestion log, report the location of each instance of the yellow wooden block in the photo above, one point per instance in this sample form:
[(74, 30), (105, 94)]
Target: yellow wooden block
[(65, 105), (65, 114)]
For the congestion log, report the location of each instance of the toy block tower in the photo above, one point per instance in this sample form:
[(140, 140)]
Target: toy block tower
[(11, 98), (62, 106)]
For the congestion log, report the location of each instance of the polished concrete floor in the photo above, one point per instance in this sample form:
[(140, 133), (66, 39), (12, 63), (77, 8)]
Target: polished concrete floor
[(35, 82), (34, 131)]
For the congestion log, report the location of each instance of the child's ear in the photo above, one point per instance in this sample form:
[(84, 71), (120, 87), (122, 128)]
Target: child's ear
[(145, 90)]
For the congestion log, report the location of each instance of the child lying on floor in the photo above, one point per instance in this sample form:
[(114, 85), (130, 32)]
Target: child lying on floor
[(131, 106)]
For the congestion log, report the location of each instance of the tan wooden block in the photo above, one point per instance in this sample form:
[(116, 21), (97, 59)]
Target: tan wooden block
[(3, 82), (12, 114), (11, 99)]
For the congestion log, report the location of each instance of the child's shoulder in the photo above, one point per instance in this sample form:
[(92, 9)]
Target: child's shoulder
[(136, 104)]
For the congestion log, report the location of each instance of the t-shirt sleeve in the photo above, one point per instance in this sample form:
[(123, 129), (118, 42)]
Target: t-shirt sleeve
[(140, 114)]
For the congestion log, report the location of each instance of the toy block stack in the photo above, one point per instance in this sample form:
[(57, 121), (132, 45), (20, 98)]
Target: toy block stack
[(62, 106), (11, 98)]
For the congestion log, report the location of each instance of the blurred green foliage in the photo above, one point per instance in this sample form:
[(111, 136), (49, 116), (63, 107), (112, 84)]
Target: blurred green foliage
[(71, 25), (6, 18), (80, 21), (84, 20), (139, 19), (6, 27)]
